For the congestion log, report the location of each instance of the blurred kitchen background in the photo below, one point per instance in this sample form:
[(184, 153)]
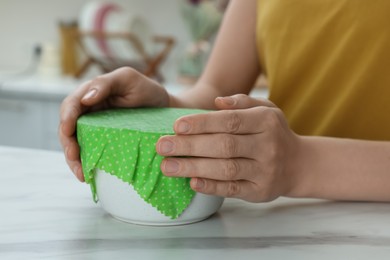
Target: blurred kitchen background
[(49, 47)]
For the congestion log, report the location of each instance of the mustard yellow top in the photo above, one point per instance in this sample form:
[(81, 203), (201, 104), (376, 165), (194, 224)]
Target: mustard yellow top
[(328, 64)]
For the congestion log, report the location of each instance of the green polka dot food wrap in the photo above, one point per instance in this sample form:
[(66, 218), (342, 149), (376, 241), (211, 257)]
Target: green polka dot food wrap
[(122, 143)]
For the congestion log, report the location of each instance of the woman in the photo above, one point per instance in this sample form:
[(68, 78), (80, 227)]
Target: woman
[(326, 62)]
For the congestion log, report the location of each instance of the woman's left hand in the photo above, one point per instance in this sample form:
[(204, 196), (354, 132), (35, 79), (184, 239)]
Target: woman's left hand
[(246, 150)]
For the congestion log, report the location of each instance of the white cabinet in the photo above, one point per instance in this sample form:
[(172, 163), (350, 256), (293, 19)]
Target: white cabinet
[(29, 111), (52, 113), (30, 123)]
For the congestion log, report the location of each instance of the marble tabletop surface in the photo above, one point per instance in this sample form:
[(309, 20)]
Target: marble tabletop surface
[(47, 214)]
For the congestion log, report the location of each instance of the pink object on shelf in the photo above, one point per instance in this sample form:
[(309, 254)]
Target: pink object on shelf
[(99, 25)]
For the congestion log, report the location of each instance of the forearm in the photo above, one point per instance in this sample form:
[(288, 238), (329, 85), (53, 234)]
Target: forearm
[(342, 169), (199, 96), (233, 66)]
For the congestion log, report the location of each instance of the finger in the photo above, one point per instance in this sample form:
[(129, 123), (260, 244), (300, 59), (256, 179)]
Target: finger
[(216, 169), (72, 156), (97, 90), (241, 101), (95, 93), (71, 109), (125, 87), (114, 83), (223, 146), (242, 121), (229, 189), (76, 168), (89, 96), (71, 149), (68, 120)]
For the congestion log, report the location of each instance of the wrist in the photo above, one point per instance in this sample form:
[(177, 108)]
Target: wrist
[(172, 101), (296, 187)]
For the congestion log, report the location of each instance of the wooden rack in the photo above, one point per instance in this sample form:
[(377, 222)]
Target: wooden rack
[(148, 65)]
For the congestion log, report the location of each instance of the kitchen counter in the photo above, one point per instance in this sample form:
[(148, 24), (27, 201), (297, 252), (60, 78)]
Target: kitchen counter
[(56, 89), (30, 107), (38, 88), (47, 214)]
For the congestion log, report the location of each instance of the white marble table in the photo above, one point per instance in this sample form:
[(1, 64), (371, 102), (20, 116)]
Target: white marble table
[(47, 214)]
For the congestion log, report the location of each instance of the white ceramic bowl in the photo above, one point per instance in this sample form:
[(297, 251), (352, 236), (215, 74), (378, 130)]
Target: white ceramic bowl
[(121, 201)]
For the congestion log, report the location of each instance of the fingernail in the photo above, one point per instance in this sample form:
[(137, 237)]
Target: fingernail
[(229, 101), (183, 127), (199, 184), (76, 170), (171, 166), (166, 146), (90, 94)]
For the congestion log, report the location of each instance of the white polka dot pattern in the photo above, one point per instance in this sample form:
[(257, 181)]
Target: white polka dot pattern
[(122, 143)]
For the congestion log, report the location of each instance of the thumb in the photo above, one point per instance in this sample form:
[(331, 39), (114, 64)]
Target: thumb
[(96, 91), (118, 82), (241, 101)]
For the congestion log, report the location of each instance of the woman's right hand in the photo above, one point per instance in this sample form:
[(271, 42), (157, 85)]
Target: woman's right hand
[(123, 87)]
